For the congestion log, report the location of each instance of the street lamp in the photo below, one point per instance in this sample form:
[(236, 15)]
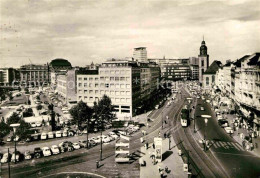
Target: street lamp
[(15, 126), (206, 117)]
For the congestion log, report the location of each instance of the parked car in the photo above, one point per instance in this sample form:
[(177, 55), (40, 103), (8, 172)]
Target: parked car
[(223, 123), (67, 146), (229, 130), (44, 136), (58, 134), (113, 135), (76, 146), (6, 158), (38, 152), (220, 117), (38, 124), (65, 133), (16, 156), (33, 125), (16, 138), (55, 149), (9, 139), (83, 143), (46, 151), (50, 135), (27, 155), (96, 140)]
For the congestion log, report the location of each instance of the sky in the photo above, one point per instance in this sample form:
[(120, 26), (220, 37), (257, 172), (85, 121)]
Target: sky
[(83, 31)]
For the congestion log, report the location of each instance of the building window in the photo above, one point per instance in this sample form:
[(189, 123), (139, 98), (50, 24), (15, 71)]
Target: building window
[(80, 84), (85, 91), (117, 78), (85, 78), (112, 78), (202, 63), (90, 91), (91, 79), (128, 86), (107, 85), (96, 85), (213, 78), (122, 85), (85, 84), (79, 78), (122, 78), (207, 81)]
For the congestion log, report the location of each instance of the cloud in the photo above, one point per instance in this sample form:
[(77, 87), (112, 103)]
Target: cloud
[(81, 31)]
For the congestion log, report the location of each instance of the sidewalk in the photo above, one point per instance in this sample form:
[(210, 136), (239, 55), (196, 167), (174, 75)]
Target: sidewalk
[(237, 136), (171, 159)]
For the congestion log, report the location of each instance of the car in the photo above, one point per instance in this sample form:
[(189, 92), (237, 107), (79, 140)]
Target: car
[(33, 125), (28, 139), (83, 143), (202, 108), (113, 135), (16, 156), (65, 133), (67, 145), (44, 136), (46, 102), (66, 112), (6, 158), (58, 134), (9, 139), (76, 146), (55, 149), (38, 124), (229, 130), (96, 140), (85, 131), (220, 117), (46, 151), (105, 139), (71, 133), (27, 155), (50, 135), (157, 106), (223, 123), (38, 152), (16, 138), (122, 132)]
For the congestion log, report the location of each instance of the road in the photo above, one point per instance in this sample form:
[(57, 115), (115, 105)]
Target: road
[(236, 161)]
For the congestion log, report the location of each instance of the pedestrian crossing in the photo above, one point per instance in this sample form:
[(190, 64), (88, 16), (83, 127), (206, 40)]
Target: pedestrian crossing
[(226, 145)]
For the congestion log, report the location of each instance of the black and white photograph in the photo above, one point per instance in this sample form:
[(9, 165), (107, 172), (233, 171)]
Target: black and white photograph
[(129, 88)]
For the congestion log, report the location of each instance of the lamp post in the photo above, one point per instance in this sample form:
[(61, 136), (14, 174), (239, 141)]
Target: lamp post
[(162, 119), (15, 126), (206, 117)]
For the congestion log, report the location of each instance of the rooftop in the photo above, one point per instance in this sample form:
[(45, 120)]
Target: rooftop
[(213, 68)]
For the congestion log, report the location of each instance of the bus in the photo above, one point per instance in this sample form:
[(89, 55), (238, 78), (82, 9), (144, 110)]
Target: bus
[(185, 119)]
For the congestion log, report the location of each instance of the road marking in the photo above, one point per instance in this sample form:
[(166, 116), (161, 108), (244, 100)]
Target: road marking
[(237, 154), (216, 144), (240, 147)]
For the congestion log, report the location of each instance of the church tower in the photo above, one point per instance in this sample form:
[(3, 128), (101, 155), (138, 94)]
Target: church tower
[(203, 60)]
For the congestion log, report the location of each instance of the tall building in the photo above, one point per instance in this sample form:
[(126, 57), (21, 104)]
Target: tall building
[(34, 74), (203, 60), (67, 85), (8, 76), (140, 54), (120, 80), (127, 83)]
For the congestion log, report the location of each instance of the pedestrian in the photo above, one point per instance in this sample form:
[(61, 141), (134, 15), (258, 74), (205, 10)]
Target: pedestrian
[(97, 164), (153, 146), (147, 145)]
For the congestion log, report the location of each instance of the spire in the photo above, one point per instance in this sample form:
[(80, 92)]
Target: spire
[(203, 37)]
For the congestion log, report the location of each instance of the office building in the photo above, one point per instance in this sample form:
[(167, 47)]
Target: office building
[(34, 74), (140, 54)]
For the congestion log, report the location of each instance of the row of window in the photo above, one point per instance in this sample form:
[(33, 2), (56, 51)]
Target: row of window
[(107, 92), (104, 85), (92, 99), (114, 71), (104, 79)]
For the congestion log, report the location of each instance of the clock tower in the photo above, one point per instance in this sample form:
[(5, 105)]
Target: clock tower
[(203, 60)]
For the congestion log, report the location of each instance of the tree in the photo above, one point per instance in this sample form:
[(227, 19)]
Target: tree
[(103, 112), (4, 129), (19, 89), (14, 118), (10, 96), (81, 113), (23, 130), (28, 112)]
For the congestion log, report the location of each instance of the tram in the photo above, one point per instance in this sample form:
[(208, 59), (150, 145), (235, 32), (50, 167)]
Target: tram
[(185, 119)]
